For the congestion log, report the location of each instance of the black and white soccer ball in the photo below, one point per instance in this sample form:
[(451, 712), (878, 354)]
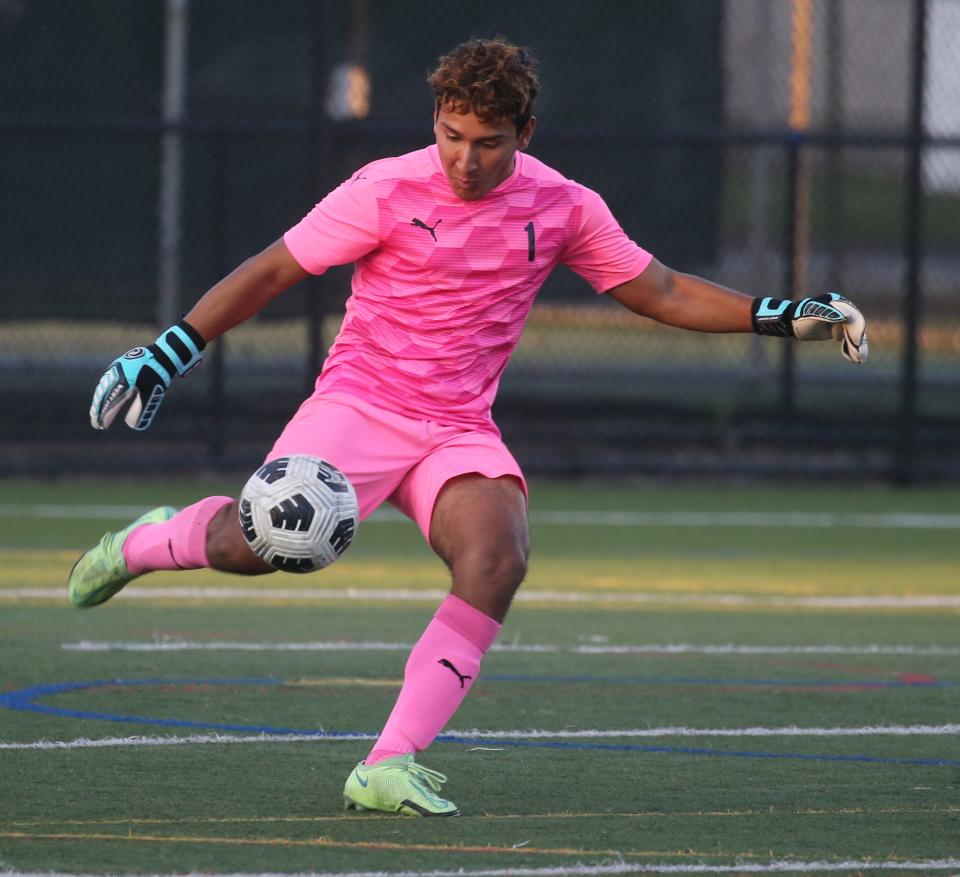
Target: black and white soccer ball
[(299, 513)]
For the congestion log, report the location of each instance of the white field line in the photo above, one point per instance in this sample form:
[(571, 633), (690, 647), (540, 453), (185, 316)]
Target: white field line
[(777, 866), (167, 645), (268, 594), (736, 649), (185, 740), (579, 518), (178, 646), (786, 731), (587, 734), (70, 512), (815, 520)]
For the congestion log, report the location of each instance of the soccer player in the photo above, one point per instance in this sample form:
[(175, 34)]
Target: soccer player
[(450, 244)]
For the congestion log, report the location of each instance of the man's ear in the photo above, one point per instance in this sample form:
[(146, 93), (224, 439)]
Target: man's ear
[(526, 135)]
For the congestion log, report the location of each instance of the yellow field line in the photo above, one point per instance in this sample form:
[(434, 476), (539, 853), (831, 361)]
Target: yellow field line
[(271, 841), (660, 602), (643, 814), (344, 681), (365, 845)]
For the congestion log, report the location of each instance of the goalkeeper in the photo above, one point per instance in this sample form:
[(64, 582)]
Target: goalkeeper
[(450, 244)]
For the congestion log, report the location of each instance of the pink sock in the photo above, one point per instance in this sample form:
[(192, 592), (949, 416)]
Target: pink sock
[(180, 543), (439, 672)]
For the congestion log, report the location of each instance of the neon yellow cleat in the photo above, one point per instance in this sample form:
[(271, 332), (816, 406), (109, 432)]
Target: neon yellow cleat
[(101, 572), (397, 785)]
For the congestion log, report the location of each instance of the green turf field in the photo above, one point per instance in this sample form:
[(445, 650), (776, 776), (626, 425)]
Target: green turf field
[(692, 681)]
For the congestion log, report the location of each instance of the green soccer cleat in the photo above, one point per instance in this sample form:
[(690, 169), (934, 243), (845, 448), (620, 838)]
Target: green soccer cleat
[(397, 785), (102, 571)]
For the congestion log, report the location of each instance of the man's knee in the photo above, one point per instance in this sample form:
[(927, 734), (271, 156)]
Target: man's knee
[(489, 579), (480, 530), (502, 567)]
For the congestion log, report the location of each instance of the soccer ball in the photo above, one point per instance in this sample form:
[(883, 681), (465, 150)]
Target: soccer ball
[(299, 513)]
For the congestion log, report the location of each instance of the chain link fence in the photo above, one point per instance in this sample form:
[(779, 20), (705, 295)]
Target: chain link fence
[(781, 147)]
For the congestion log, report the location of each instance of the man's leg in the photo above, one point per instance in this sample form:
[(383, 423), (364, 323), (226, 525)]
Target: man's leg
[(373, 448), (479, 528), (205, 534), (208, 534)]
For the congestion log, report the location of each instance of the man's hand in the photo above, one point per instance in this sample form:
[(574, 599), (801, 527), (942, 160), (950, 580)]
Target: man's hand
[(814, 319), (139, 378)]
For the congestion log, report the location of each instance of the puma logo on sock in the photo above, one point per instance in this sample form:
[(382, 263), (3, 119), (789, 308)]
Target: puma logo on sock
[(454, 670)]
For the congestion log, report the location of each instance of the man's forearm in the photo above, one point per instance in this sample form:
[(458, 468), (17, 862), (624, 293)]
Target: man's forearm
[(705, 306), (245, 291), (685, 301)]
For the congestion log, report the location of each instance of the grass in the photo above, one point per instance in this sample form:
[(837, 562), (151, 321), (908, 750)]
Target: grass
[(582, 799)]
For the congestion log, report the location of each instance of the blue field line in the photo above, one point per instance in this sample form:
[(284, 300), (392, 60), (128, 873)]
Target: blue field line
[(25, 700), (694, 750), (35, 691), (696, 680)]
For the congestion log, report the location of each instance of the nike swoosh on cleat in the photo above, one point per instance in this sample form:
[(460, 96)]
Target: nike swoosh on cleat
[(406, 802), (360, 779)]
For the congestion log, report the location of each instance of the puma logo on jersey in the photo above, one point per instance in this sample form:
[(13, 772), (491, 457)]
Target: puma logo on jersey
[(419, 223), (454, 670)]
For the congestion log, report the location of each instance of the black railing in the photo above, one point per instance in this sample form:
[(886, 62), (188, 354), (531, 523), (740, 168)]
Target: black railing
[(577, 412)]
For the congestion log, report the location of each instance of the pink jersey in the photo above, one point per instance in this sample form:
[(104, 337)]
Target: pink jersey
[(442, 286)]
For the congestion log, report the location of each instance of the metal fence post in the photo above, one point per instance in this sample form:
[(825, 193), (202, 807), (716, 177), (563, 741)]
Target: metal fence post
[(315, 307), (792, 187), (833, 190), (170, 207), (913, 251), (797, 226), (218, 262)]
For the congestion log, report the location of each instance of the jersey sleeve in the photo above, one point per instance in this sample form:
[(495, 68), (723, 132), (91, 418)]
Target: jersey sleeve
[(343, 227), (601, 252)]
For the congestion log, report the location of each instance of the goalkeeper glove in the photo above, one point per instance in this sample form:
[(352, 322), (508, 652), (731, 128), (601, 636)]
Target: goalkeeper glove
[(141, 376), (814, 319)]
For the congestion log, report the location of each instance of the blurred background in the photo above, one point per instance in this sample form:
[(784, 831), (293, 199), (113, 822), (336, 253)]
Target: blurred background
[(782, 147)]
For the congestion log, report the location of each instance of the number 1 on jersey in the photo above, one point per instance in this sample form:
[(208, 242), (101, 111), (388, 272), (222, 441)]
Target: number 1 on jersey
[(531, 242)]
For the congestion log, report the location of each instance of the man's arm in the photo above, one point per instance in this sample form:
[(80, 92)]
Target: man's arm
[(690, 302), (245, 291), (138, 380), (685, 301)]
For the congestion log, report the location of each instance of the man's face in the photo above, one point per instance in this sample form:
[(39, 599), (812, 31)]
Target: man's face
[(477, 156)]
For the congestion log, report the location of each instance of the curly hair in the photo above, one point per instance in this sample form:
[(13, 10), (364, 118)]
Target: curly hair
[(492, 78)]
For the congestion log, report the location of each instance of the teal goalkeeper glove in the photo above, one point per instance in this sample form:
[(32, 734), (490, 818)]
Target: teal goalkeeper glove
[(814, 319), (142, 375)]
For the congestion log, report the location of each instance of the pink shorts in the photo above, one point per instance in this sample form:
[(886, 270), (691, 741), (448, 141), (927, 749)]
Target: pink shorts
[(389, 457)]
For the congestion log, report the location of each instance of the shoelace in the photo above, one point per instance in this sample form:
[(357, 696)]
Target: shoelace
[(430, 778)]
